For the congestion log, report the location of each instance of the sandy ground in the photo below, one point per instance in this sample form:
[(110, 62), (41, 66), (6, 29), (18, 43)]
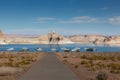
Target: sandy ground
[(85, 65), (88, 65), (13, 65)]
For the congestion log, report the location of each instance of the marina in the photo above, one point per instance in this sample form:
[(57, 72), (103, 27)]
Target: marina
[(58, 48)]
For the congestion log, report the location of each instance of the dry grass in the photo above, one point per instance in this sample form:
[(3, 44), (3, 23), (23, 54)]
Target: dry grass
[(4, 71), (12, 65), (88, 65)]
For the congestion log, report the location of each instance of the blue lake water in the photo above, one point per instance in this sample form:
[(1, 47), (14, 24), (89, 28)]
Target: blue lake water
[(48, 47)]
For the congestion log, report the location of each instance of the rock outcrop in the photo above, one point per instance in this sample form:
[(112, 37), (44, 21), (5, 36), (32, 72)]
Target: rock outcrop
[(88, 38), (112, 40), (1, 35), (96, 39), (53, 38), (2, 39)]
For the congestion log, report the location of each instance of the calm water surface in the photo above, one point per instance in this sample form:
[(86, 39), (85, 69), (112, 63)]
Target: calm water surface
[(48, 47)]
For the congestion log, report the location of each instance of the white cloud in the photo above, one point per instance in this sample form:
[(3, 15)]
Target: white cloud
[(44, 19), (114, 20), (82, 19)]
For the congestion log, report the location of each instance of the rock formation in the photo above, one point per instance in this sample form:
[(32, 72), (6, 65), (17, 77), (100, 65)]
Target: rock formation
[(53, 38), (2, 39), (87, 38), (112, 40), (96, 39), (1, 34)]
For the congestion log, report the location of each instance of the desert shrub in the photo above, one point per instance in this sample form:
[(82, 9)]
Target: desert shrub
[(118, 58), (98, 57), (101, 65), (115, 66), (64, 60), (115, 71), (102, 76), (18, 60), (93, 69), (65, 57), (84, 62), (83, 57), (76, 66), (87, 63)]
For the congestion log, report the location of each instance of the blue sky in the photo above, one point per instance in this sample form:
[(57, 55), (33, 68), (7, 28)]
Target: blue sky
[(66, 17)]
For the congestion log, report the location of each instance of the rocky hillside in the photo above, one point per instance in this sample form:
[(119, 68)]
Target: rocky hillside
[(86, 38), (53, 38), (97, 39)]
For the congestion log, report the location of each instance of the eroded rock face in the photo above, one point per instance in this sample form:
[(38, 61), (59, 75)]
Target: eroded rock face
[(2, 39), (96, 39), (114, 40), (87, 38), (53, 38), (1, 34)]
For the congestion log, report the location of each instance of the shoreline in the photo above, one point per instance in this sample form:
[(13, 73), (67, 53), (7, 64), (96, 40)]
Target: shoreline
[(86, 43)]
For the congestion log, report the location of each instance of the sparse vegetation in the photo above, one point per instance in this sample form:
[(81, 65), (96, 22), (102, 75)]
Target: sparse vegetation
[(76, 66), (65, 57), (12, 65), (102, 76), (90, 63), (4, 71), (64, 60)]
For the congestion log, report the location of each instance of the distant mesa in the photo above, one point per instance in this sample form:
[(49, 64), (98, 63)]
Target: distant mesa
[(54, 38)]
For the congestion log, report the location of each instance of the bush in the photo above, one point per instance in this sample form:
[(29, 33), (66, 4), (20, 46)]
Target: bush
[(115, 71), (76, 66), (115, 66), (101, 65), (64, 60), (102, 76), (65, 57), (87, 63)]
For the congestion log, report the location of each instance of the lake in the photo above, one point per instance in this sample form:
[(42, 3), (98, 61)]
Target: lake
[(48, 47)]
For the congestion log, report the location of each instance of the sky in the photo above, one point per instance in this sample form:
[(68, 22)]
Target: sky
[(67, 17)]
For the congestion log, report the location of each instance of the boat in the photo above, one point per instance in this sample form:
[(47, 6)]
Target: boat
[(24, 49), (65, 49), (90, 49), (10, 49), (76, 49), (53, 49), (38, 49)]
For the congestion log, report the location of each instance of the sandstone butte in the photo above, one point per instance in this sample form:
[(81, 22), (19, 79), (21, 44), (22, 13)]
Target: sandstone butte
[(44, 39), (62, 40)]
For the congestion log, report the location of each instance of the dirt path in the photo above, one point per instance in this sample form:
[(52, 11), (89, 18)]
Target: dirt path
[(49, 68)]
